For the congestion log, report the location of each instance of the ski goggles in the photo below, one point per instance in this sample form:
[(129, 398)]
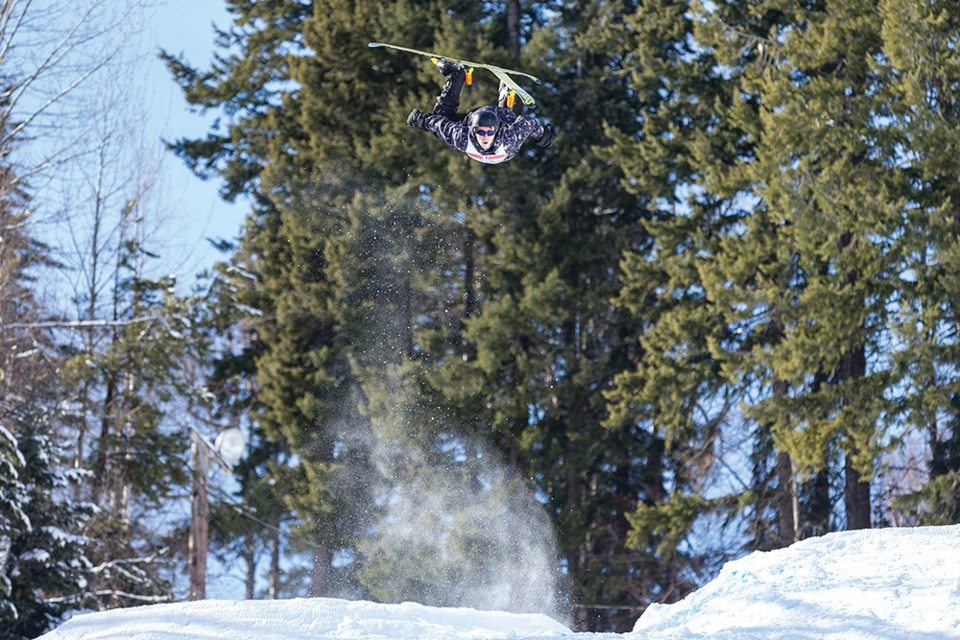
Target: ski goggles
[(486, 132)]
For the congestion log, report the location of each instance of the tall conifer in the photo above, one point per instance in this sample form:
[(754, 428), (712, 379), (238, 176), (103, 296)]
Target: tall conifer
[(547, 340), (773, 238), (923, 62), (677, 389)]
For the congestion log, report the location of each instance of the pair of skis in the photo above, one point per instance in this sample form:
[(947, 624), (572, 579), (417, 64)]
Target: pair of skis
[(504, 75)]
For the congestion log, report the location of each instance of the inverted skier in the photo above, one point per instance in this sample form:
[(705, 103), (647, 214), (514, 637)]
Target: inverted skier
[(487, 134)]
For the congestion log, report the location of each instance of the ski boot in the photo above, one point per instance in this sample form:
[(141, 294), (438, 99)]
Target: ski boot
[(449, 68), (449, 100)]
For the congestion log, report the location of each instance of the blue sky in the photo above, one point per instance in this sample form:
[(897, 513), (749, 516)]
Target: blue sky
[(185, 27), (97, 102)]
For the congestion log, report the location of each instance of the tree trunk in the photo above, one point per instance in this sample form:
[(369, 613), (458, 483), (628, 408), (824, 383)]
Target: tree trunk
[(856, 497), (788, 506), (817, 513), (853, 367), (513, 27), (273, 577), (320, 582), (250, 558)]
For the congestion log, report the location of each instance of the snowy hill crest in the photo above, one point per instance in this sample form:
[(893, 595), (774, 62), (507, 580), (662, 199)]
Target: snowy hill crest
[(890, 584)]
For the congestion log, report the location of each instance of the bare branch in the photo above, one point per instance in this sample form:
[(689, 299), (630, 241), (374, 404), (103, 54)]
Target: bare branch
[(57, 48), (7, 35)]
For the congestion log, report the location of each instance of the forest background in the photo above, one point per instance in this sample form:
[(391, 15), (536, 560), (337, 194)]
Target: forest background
[(720, 314)]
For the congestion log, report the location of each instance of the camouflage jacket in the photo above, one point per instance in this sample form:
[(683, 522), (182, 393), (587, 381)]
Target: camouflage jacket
[(514, 130)]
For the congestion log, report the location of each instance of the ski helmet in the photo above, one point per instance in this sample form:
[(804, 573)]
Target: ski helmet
[(483, 118)]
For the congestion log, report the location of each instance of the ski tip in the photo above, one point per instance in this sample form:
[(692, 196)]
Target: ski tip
[(375, 44)]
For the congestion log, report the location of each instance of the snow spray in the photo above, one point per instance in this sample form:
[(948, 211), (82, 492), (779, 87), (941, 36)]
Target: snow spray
[(471, 535), (449, 523)]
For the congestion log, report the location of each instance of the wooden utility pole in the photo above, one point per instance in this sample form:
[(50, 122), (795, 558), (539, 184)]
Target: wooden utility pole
[(199, 523), (226, 452)]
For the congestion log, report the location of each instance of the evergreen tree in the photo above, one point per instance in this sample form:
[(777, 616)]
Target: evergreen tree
[(46, 566), (124, 378), (677, 389), (22, 344), (483, 293), (823, 183), (246, 526), (245, 88), (13, 520), (774, 271), (546, 338), (291, 155), (924, 109)]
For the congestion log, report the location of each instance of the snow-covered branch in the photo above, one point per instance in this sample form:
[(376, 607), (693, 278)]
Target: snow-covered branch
[(81, 324)]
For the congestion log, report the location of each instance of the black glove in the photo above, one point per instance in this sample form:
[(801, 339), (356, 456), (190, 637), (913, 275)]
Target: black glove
[(549, 135), (416, 119)]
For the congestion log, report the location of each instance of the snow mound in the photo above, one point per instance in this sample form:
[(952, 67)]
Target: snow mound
[(313, 618), (891, 584)]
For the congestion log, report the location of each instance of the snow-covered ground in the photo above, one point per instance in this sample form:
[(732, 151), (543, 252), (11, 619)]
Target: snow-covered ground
[(890, 584)]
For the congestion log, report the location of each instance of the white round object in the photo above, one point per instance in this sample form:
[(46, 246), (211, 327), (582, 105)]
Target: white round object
[(230, 444)]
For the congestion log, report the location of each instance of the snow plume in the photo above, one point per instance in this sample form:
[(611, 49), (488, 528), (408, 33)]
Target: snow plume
[(448, 523), (457, 535)]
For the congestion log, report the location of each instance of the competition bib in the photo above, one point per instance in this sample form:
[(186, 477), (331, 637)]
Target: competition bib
[(499, 154)]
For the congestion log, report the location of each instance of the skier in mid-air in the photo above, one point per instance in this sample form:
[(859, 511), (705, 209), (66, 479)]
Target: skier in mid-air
[(487, 134)]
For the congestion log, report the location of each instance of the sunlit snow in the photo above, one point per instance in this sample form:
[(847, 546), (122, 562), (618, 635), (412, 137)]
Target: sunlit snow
[(890, 584)]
